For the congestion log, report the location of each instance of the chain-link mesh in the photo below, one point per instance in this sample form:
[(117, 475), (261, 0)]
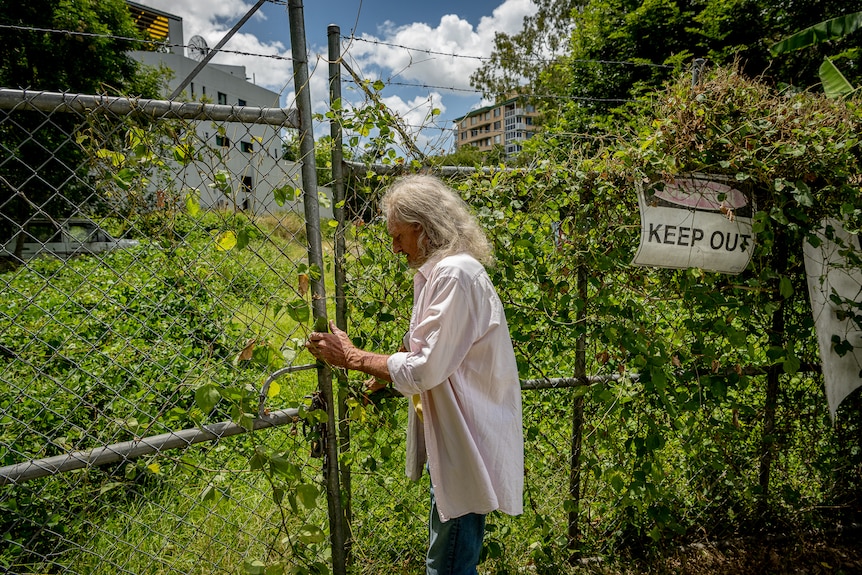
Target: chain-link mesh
[(154, 282), (153, 278), (624, 461)]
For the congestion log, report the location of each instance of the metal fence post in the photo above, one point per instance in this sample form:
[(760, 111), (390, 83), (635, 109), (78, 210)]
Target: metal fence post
[(574, 530), (776, 339), (697, 71), (315, 256), (334, 36)]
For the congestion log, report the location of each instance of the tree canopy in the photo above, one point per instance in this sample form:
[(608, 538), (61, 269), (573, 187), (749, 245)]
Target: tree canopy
[(37, 55), (616, 50)]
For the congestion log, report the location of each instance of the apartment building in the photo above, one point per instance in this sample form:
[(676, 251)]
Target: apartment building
[(507, 124), (251, 153)]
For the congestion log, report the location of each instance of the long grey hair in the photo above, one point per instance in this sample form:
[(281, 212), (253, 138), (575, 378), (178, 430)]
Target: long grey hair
[(448, 226)]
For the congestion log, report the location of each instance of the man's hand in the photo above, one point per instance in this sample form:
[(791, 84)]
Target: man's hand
[(337, 350), (373, 385), (334, 348)]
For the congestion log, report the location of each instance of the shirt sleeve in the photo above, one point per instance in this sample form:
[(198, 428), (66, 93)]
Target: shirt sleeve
[(444, 333)]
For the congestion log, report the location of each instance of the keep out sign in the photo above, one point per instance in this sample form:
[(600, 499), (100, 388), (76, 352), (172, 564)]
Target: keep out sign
[(695, 222)]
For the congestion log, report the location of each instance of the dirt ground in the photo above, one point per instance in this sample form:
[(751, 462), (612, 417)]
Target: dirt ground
[(836, 556), (801, 557)]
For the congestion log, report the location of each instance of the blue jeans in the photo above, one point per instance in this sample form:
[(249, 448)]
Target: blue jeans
[(454, 547)]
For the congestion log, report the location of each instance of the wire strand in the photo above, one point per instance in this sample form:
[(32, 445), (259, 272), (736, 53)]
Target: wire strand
[(130, 39), (489, 58)]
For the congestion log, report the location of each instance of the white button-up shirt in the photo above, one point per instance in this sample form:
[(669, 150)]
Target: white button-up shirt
[(461, 362)]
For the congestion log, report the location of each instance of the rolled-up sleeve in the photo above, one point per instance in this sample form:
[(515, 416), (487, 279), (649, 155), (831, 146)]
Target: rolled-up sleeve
[(440, 337)]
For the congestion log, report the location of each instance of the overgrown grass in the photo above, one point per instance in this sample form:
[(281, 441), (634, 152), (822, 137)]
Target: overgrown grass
[(101, 350)]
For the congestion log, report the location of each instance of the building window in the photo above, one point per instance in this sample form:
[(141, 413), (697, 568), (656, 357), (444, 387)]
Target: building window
[(240, 102), (222, 141), (496, 112), (248, 188), (193, 90), (497, 139), (473, 121), (246, 147), (497, 125), (528, 120), (222, 98), (203, 90)]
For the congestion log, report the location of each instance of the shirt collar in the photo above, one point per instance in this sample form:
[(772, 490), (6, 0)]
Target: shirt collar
[(423, 273), (425, 269)]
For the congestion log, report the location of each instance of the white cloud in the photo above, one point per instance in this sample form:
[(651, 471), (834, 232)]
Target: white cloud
[(445, 55), (418, 120), (436, 57)]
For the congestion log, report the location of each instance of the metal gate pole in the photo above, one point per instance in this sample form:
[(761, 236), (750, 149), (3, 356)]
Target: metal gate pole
[(337, 535), (338, 206)]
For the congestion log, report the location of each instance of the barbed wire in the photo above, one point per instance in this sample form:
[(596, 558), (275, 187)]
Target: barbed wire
[(419, 85), (489, 58), (526, 96), (280, 57), (131, 39)]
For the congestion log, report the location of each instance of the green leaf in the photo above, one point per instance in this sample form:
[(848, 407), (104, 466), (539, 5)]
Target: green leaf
[(110, 486), (834, 82), (193, 205), (616, 481), (822, 32), (281, 466), (299, 310), (284, 194), (307, 495), (226, 241), (209, 494), (206, 397), (257, 460), (242, 239), (311, 534), (268, 356), (785, 287), (792, 365), (255, 567)]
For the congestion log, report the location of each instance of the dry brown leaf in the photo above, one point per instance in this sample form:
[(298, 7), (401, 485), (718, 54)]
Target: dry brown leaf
[(245, 354)]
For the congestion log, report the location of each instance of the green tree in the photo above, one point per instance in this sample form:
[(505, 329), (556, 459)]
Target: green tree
[(473, 156), (617, 50), (834, 82), (36, 55)]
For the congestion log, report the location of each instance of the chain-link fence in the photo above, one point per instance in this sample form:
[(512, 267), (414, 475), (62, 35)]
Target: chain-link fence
[(155, 281), (156, 299), (623, 458)]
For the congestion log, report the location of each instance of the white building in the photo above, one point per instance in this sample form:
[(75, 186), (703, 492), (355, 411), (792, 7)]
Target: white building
[(249, 153)]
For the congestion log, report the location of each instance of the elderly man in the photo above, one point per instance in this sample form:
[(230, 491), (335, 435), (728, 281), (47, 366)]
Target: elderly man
[(457, 365)]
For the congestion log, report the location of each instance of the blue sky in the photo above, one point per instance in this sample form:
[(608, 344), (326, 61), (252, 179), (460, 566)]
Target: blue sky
[(405, 44)]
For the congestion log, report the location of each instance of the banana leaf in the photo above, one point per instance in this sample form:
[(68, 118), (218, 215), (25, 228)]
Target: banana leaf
[(822, 32), (834, 82)]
